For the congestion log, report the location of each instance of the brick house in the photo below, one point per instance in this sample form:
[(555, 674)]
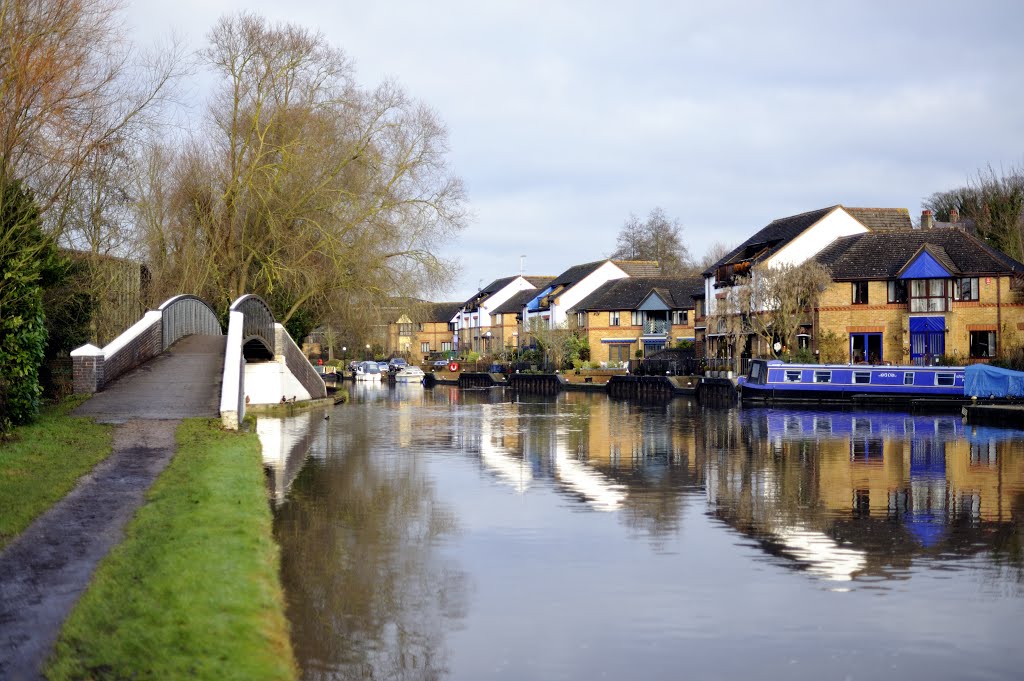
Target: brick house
[(435, 332), (633, 314), (915, 296), (791, 240)]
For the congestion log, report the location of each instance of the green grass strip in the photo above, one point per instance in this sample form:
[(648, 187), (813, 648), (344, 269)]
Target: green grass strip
[(42, 462), (193, 591)]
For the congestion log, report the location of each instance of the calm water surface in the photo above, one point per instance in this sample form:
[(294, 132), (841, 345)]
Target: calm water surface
[(475, 535)]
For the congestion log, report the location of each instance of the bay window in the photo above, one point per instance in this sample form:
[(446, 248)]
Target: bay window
[(929, 295)]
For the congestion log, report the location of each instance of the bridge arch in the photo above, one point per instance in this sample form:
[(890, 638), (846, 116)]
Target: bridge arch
[(259, 338), (254, 337)]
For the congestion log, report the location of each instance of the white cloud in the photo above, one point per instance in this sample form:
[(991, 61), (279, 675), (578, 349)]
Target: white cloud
[(566, 117)]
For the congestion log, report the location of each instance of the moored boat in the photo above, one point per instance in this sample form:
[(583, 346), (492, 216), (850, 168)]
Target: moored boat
[(410, 374), (773, 380), (367, 371)]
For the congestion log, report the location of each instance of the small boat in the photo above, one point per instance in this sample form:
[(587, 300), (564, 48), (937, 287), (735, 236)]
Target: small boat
[(367, 371), (410, 374), (773, 380)]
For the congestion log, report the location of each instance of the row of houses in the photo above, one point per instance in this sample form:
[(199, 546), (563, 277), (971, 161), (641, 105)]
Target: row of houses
[(896, 293)]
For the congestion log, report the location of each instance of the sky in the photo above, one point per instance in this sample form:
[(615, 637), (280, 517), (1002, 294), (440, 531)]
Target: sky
[(565, 118)]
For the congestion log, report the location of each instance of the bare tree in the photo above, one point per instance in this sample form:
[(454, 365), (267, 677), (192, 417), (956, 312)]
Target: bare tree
[(73, 97), (992, 203), (656, 238), (715, 252), (304, 188), (780, 299)]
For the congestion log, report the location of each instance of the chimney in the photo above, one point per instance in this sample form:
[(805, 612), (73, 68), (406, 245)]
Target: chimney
[(926, 219), (954, 215)]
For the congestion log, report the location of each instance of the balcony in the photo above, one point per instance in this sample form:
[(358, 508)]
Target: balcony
[(657, 327)]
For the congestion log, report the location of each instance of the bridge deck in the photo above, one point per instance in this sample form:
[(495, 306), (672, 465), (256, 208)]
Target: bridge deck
[(181, 382)]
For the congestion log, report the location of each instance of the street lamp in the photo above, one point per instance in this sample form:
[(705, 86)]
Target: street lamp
[(367, 351), (344, 352)]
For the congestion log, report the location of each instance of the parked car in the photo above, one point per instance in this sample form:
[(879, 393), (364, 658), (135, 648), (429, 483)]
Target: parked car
[(440, 365), (383, 367), (397, 364)]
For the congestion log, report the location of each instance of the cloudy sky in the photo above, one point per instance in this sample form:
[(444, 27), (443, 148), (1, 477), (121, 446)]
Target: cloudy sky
[(566, 117)]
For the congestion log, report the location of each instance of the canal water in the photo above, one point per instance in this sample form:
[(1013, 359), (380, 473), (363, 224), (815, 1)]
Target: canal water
[(457, 534)]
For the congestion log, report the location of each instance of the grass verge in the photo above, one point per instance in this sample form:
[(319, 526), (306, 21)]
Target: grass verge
[(193, 591), (41, 463)]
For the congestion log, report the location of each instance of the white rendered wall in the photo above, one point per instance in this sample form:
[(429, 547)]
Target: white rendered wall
[(812, 241), (587, 285), (268, 382)]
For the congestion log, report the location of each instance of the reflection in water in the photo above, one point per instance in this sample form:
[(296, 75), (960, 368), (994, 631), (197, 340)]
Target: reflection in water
[(467, 533), (367, 596)]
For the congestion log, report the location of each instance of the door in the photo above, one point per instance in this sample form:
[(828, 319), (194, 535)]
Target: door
[(866, 347), (927, 339)]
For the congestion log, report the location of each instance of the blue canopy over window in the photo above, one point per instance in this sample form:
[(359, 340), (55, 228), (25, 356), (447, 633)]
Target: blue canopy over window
[(927, 324)]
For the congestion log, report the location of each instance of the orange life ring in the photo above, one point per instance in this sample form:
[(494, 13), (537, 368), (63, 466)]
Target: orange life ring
[(453, 366)]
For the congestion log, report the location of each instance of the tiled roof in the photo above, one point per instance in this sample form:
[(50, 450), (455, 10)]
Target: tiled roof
[(442, 312), (881, 255), (771, 238), (639, 268), (882, 219), (575, 274), (515, 304), (629, 293), (539, 282)]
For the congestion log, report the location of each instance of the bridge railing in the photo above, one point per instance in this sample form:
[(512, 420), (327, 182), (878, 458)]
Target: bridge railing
[(232, 387), (178, 317), (257, 320), (185, 315)]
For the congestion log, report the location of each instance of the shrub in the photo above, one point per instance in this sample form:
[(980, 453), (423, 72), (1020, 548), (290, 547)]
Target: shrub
[(26, 255)]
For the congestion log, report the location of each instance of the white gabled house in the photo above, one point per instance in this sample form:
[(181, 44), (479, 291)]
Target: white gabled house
[(563, 293), (475, 319)]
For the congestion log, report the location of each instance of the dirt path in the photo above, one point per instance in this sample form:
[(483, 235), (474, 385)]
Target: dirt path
[(47, 568)]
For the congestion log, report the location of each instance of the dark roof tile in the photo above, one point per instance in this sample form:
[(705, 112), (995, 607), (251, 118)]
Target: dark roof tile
[(881, 255), (629, 293)]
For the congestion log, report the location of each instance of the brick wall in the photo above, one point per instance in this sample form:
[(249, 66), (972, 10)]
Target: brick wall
[(143, 347), (997, 307)]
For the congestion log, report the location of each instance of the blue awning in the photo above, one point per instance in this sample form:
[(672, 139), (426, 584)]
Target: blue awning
[(927, 324)]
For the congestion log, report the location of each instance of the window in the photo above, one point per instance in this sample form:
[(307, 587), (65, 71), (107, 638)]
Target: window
[(680, 317), (618, 352), (420, 326), (860, 292), (822, 376), (792, 375), (983, 344), (497, 320), (425, 347), (945, 378), (897, 291), (861, 376), (581, 319), (637, 317), (613, 318), (966, 289), (928, 295), (908, 378), (405, 329), (446, 346)]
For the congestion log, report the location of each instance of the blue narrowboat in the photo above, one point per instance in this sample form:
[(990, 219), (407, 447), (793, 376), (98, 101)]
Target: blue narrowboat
[(773, 380)]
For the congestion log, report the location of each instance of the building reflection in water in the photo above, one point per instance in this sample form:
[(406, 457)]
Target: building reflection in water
[(376, 575)]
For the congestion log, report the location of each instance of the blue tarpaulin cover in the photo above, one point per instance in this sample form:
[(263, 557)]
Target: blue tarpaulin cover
[(982, 380)]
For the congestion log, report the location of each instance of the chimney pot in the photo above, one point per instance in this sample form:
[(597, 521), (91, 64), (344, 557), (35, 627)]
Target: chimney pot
[(926, 219), (954, 215)]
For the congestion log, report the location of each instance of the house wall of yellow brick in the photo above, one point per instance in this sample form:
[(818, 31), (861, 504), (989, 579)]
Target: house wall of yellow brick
[(434, 333), (998, 308), (599, 328)]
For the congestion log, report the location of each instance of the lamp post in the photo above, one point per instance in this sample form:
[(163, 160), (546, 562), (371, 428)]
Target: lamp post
[(367, 351), (344, 352)]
